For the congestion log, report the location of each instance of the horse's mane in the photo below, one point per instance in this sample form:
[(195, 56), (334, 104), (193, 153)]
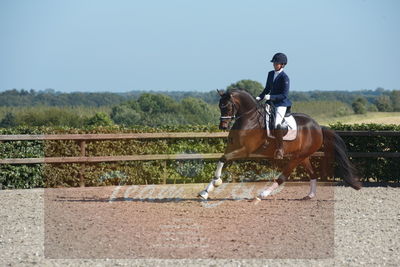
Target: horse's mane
[(236, 90), (242, 92)]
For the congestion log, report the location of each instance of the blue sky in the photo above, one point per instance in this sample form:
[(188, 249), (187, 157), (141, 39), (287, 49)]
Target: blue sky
[(119, 46)]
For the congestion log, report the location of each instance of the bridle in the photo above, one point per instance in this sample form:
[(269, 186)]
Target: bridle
[(234, 117), (222, 118)]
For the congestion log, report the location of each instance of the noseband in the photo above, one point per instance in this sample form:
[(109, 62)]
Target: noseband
[(234, 112)]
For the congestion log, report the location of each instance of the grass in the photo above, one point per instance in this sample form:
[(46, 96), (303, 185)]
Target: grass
[(370, 117), (330, 112), (80, 110), (324, 112), (52, 116)]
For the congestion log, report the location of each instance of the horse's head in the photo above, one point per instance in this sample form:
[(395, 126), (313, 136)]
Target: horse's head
[(228, 109)]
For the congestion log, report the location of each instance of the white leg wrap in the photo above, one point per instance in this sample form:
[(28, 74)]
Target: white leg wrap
[(313, 188), (217, 181), (210, 186), (265, 193), (273, 186), (218, 171), (269, 190)]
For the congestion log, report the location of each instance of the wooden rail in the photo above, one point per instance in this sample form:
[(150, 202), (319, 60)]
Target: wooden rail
[(112, 136), (161, 135), (83, 138), (82, 159), (111, 158)]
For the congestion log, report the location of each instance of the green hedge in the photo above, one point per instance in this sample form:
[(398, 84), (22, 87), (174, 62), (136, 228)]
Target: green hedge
[(180, 171), (373, 169)]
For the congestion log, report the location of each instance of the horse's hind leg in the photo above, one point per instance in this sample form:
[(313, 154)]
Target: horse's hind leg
[(281, 179), (313, 179)]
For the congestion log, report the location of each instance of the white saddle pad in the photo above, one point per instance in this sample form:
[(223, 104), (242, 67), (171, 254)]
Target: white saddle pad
[(292, 128)]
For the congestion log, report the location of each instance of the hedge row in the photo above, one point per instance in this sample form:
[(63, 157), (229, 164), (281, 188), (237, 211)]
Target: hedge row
[(374, 169), (153, 172)]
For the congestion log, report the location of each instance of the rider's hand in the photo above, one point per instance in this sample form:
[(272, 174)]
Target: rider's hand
[(267, 97), (258, 98)]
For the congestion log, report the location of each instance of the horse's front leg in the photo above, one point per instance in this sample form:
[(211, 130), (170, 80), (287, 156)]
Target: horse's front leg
[(217, 181)]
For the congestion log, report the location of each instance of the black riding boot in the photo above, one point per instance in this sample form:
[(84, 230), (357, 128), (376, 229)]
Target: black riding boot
[(279, 142)]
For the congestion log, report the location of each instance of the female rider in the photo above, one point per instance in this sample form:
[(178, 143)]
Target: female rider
[(277, 90)]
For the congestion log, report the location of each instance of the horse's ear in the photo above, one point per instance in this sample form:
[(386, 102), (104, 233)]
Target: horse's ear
[(221, 93)]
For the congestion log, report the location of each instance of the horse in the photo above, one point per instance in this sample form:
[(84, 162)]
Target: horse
[(248, 138)]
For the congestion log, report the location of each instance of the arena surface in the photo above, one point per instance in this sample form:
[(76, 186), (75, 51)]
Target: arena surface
[(166, 225)]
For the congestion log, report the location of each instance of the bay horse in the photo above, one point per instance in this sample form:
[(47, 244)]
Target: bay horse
[(248, 139)]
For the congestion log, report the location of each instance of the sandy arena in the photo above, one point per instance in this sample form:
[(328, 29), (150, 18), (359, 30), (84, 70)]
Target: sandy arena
[(167, 225)]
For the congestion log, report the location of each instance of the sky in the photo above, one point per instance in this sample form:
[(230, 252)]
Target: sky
[(197, 45)]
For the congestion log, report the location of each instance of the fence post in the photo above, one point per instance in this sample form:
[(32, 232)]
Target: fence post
[(82, 145), (164, 165)]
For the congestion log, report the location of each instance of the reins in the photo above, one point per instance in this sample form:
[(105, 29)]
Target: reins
[(259, 108)]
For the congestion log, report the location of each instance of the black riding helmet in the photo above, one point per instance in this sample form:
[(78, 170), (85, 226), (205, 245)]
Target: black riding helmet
[(279, 58)]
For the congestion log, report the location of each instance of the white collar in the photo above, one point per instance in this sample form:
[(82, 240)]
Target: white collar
[(276, 73)]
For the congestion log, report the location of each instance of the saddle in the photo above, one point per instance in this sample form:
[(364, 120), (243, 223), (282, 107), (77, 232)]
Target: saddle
[(288, 124)]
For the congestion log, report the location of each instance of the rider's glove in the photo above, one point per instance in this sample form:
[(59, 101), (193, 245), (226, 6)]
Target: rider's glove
[(258, 98), (267, 97)]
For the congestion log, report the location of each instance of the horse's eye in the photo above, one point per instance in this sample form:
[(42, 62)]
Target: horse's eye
[(223, 105)]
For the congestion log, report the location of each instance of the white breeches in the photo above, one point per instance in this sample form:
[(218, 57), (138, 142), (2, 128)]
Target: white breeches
[(279, 115)]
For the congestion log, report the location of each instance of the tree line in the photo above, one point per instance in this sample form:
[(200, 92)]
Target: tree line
[(79, 109), (148, 110), (385, 100), (52, 98)]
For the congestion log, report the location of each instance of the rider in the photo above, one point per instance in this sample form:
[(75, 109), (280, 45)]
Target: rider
[(277, 90)]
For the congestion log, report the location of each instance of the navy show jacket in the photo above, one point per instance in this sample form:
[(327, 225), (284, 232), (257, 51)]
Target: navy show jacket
[(278, 89)]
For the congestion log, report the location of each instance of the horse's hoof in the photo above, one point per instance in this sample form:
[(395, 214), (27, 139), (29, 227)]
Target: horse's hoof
[(307, 198), (256, 200), (203, 194), (356, 185)]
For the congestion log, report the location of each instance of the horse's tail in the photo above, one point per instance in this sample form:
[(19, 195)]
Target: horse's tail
[(336, 152)]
